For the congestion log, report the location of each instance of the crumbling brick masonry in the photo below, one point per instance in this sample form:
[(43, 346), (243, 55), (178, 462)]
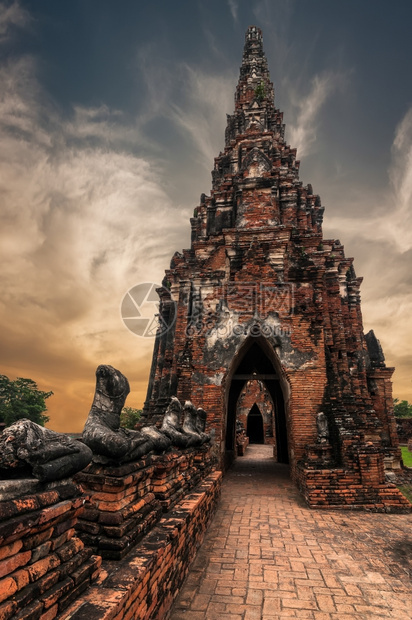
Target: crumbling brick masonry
[(261, 295)]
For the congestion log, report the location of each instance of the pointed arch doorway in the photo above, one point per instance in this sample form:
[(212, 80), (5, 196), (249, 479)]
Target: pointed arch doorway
[(256, 360), (254, 427)]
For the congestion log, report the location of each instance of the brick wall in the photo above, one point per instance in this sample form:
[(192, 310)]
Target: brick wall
[(44, 566), (143, 585), (146, 518), (125, 502), (363, 486), (259, 268)]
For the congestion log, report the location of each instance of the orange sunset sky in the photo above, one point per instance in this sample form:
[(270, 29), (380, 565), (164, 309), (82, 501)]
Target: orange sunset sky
[(109, 123)]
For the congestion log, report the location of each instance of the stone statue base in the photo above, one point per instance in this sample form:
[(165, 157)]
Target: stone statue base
[(126, 501), (319, 456)]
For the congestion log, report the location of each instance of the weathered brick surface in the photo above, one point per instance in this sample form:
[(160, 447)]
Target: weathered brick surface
[(51, 613), (126, 502), (10, 564), (11, 549), (31, 612), (7, 588), (8, 609), (144, 584), (266, 555), (39, 549), (343, 489), (261, 296)]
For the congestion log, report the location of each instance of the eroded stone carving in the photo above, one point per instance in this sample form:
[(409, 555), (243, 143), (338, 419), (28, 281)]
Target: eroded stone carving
[(190, 424), (322, 426), (162, 442), (102, 431), (172, 425), (201, 426), (110, 442), (201, 420), (27, 449)]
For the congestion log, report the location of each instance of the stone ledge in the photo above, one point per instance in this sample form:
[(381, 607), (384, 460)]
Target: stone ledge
[(341, 489)]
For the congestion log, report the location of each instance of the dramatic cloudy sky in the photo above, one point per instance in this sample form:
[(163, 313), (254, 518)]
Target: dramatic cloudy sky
[(110, 116)]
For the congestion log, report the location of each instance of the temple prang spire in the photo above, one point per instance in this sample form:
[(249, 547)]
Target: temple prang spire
[(254, 96), (256, 158), (254, 81), (260, 292)]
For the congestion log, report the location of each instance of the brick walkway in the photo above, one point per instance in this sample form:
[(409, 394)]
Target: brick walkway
[(266, 555)]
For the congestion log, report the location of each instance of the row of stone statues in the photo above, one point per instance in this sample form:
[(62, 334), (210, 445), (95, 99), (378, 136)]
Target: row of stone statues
[(104, 435), (27, 449)]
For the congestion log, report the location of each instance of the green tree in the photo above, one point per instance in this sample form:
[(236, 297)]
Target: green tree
[(129, 417), (260, 92), (22, 399), (402, 408)]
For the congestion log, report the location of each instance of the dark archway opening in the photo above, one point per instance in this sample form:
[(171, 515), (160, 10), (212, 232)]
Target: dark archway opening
[(254, 428), (254, 363)]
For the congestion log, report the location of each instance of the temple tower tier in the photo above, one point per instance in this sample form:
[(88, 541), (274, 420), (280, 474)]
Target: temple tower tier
[(262, 299)]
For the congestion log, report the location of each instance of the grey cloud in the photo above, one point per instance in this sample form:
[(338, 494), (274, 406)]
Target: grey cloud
[(194, 101), (378, 230), (385, 216), (12, 16), (81, 224), (201, 113), (87, 213), (302, 134), (234, 8)]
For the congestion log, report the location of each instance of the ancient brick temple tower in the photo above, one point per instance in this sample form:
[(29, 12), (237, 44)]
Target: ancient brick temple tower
[(262, 296)]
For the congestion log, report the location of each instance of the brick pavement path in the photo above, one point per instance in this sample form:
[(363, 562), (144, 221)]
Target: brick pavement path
[(266, 555)]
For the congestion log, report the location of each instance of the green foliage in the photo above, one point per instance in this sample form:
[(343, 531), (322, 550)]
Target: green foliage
[(22, 399), (406, 491), (260, 92), (129, 417), (406, 456), (402, 408)]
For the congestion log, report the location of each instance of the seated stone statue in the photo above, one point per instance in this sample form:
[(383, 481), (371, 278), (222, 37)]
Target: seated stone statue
[(102, 431), (161, 441), (190, 423), (172, 426), (322, 427), (201, 420), (201, 424), (27, 449)]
